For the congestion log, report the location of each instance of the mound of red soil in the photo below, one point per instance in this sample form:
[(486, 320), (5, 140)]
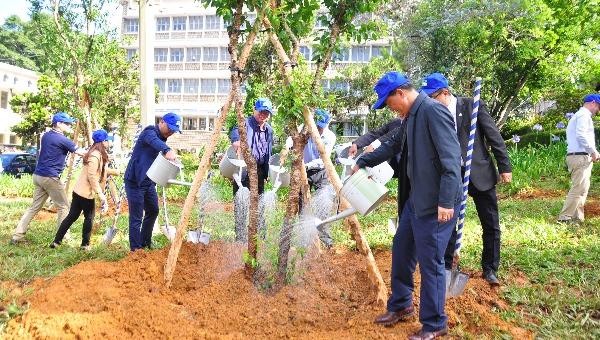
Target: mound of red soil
[(211, 297), (592, 208)]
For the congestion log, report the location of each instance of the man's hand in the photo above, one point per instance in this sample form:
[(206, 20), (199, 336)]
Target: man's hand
[(506, 177), (368, 149), (80, 152), (445, 215), (236, 145), (595, 156), (352, 150), (103, 203), (171, 155), (354, 169)]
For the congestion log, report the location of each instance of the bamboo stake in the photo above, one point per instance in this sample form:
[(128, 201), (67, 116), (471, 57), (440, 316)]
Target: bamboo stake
[(352, 221), (200, 176)]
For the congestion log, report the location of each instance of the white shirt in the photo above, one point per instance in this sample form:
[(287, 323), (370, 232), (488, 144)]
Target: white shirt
[(452, 106), (312, 158), (580, 133)]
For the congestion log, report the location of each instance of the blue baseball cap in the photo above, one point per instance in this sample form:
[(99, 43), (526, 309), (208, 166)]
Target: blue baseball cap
[(63, 117), (99, 136), (592, 97), (173, 121), (263, 104), (322, 118), (388, 83), (433, 83)]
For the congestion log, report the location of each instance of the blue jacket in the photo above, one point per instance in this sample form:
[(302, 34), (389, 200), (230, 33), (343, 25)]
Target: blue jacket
[(433, 152), (252, 139), (148, 145)]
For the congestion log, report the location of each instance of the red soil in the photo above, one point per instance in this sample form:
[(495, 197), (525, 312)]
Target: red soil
[(211, 298)]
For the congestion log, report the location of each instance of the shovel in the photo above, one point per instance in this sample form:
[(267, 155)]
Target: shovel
[(167, 229), (198, 235), (111, 231)]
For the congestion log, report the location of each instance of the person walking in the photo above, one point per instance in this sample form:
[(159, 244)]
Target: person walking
[(259, 135), (54, 147), (581, 153), (484, 175), (94, 173), (141, 193), (428, 216)]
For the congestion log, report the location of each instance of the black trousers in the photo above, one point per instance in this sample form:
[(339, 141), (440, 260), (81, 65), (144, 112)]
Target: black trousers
[(486, 204), (78, 204)]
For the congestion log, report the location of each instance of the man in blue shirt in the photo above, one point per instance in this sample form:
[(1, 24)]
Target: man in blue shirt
[(259, 135), (141, 191), (46, 177)]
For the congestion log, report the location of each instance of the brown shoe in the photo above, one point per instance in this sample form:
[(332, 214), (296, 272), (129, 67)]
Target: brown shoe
[(391, 318), (422, 335)]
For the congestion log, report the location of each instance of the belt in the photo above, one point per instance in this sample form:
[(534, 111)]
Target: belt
[(578, 154)]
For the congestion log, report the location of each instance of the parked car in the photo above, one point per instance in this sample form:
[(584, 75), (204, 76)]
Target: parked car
[(18, 163)]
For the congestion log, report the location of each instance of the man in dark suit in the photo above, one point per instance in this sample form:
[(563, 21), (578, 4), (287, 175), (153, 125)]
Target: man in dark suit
[(429, 215), (482, 186)]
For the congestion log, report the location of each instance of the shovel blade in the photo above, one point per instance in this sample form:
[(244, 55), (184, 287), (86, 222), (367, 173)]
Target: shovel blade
[(456, 281), (199, 237), (168, 231), (109, 235)]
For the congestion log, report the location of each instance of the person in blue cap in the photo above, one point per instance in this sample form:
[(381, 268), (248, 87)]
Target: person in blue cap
[(484, 176), (429, 215), (315, 169), (259, 135), (140, 190), (581, 152), (94, 173), (54, 147)]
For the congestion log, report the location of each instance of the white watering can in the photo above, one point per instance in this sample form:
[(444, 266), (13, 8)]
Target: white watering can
[(362, 192), (278, 175), (164, 172), (230, 164), (381, 173)]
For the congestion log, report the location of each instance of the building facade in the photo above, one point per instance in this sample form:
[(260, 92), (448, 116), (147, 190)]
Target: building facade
[(13, 80), (191, 62)]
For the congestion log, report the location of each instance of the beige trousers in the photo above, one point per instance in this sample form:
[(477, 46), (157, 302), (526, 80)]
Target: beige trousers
[(580, 167), (44, 187)]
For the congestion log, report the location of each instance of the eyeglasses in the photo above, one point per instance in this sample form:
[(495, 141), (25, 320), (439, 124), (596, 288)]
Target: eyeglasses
[(436, 94)]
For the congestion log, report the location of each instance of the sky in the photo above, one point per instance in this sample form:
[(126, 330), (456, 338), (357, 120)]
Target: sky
[(10, 7)]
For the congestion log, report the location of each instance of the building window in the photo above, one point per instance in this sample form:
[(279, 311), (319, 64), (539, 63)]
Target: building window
[(360, 53), (162, 24), (210, 54), (213, 22), (208, 86), (131, 52), (305, 51), (190, 123), (174, 85), (161, 84), (179, 23), (339, 85), (15, 80), (29, 83), (376, 51), (4, 100), (202, 125), (343, 55), (131, 25), (196, 23), (224, 85), (5, 78), (194, 54), (190, 86), (176, 55), (225, 56), (211, 124), (160, 55)]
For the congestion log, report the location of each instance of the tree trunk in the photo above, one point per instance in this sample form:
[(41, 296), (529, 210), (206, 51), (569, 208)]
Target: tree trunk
[(352, 221), (69, 178), (200, 176), (292, 208)]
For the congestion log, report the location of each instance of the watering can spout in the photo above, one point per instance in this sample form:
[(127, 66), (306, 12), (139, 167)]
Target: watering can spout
[(343, 214), (237, 178)]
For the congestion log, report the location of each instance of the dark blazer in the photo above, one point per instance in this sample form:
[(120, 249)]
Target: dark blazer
[(433, 156), (370, 136), (483, 171), (148, 145)]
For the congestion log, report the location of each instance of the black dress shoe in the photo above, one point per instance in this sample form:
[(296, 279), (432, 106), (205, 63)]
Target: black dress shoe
[(391, 318), (491, 278), (422, 335)]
